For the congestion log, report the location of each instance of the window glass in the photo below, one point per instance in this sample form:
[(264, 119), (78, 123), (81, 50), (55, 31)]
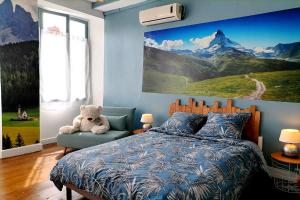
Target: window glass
[(78, 50), (78, 29), (64, 58), (54, 23)]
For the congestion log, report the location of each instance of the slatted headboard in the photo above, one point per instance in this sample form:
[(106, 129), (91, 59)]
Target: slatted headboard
[(251, 128)]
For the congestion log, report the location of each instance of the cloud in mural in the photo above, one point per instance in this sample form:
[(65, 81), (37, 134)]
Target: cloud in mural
[(150, 43), (263, 50), (172, 44), (28, 5), (165, 45), (204, 42)]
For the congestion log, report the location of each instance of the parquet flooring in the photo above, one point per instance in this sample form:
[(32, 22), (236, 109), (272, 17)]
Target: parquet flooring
[(27, 176)]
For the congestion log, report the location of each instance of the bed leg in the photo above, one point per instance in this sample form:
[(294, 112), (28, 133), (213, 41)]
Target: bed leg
[(69, 193), (65, 150)]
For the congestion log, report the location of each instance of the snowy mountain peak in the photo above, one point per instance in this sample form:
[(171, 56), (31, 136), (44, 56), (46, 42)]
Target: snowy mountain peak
[(222, 40), (16, 25), (219, 34), (214, 42)]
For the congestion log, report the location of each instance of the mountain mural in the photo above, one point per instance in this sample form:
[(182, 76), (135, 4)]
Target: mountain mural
[(225, 59), (19, 64), (16, 24), (219, 44)]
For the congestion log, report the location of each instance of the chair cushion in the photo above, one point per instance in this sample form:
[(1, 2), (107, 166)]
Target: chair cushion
[(120, 111), (82, 140), (117, 123)]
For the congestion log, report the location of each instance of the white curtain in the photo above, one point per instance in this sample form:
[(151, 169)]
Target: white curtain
[(64, 69), (79, 65)]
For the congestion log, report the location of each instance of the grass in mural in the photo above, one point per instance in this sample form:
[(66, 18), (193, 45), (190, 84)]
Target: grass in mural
[(20, 133), (281, 85), (223, 87), (227, 87), (33, 112), (155, 81), (30, 134)]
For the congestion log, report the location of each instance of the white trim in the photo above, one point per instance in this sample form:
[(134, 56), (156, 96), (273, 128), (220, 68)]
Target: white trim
[(49, 140), (117, 5), (21, 150)]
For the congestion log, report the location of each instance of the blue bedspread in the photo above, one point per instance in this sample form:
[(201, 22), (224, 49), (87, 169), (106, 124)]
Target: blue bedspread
[(157, 165)]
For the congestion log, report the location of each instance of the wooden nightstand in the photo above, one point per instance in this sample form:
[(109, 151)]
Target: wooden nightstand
[(138, 131), (285, 172)]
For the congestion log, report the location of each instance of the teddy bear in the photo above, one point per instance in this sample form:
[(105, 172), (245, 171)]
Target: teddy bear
[(90, 119)]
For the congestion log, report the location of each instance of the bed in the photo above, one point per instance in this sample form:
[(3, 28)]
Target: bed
[(159, 165)]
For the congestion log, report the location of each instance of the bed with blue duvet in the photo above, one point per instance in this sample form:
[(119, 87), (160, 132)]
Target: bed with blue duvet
[(188, 157)]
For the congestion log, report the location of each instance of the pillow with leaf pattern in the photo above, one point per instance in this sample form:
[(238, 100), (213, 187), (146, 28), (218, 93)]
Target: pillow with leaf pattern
[(224, 125), (184, 123)]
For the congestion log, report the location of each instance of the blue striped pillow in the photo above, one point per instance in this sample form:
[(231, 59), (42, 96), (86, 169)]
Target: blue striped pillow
[(184, 123), (224, 125)]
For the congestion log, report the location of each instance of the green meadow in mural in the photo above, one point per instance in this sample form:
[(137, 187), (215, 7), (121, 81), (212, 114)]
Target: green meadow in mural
[(255, 57), (19, 62)]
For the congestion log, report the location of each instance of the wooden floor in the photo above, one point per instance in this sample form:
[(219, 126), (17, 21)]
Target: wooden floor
[(27, 176)]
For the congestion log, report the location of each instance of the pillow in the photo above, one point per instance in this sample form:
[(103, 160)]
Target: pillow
[(224, 125), (184, 123), (117, 122)]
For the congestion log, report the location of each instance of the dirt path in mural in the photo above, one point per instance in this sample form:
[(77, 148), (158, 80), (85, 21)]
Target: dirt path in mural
[(260, 89)]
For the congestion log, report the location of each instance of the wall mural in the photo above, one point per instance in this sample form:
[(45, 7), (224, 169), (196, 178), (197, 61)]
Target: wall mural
[(19, 62), (255, 57)]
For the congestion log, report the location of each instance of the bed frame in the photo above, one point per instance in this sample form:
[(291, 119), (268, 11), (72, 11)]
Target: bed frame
[(251, 129)]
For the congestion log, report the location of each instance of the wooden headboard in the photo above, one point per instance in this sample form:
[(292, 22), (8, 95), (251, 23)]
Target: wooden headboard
[(251, 128)]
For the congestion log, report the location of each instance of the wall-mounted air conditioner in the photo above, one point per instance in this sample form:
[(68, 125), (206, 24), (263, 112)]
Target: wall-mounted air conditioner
[(161, 14)]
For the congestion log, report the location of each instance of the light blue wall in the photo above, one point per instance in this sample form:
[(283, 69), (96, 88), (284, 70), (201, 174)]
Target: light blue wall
[(124, 62)]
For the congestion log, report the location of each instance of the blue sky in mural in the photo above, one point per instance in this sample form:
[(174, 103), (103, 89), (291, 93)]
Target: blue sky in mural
[(264, 30)]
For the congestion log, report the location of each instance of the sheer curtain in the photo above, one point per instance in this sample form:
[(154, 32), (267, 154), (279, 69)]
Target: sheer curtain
[(65, 75), (54, 68), (79, 61)]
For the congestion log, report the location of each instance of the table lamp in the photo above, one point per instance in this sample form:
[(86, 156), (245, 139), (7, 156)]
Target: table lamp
[(291, 137), (147, 119)]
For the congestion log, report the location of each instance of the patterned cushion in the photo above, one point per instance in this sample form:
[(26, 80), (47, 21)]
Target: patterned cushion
[(224, 125), (184, 123)]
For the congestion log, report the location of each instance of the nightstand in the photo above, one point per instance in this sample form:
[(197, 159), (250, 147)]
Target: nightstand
[(138, 131), (285, 172)]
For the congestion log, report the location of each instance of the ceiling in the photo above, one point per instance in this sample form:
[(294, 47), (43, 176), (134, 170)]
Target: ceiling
[(109, 5)]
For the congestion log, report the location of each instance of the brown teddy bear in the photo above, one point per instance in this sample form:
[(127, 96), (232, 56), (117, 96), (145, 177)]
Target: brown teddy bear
[(90, 119)]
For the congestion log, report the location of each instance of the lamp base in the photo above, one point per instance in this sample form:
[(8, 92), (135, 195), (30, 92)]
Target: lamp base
[(146, 127), (290, 150)]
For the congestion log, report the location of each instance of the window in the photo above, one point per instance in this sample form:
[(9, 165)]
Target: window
[(64, 57)]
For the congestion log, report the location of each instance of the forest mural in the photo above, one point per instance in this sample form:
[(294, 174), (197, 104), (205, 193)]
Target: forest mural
[(255, 57), (19, 62)]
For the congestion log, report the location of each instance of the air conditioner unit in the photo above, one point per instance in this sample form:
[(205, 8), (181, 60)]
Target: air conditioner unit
[(161, 14)]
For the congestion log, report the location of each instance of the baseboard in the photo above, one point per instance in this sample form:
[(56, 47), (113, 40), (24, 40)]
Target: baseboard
[(49, 140), (21, 150)]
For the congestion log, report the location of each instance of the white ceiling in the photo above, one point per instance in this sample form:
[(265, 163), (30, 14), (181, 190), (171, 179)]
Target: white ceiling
[(116, 4)]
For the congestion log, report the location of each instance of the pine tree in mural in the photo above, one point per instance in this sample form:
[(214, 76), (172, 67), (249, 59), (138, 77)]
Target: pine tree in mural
[(19, 141), (6, 142)]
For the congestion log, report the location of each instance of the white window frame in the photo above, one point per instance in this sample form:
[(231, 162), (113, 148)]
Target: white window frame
[(88, 67)]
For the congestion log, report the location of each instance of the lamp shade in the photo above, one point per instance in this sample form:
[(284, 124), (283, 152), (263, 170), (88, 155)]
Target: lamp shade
[(290, 136), (147, 118)]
